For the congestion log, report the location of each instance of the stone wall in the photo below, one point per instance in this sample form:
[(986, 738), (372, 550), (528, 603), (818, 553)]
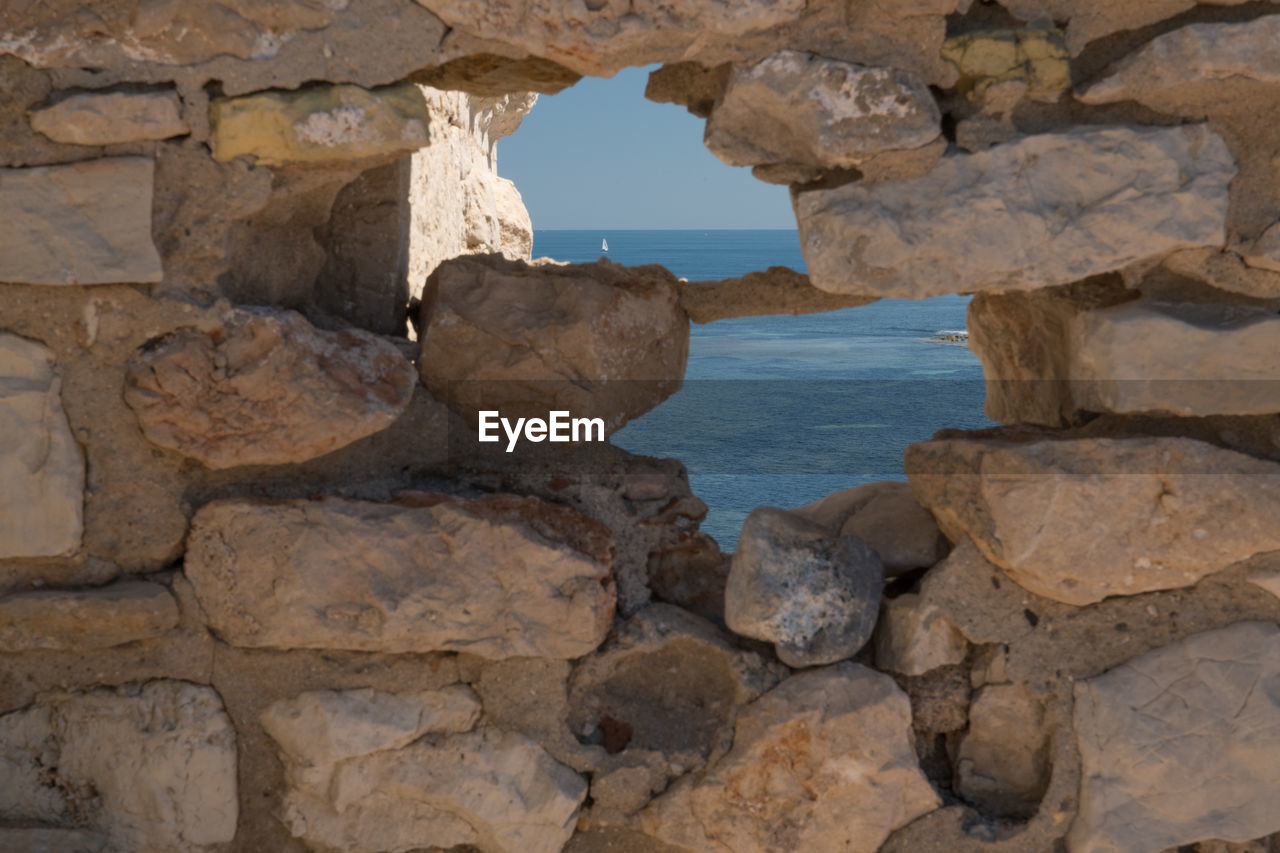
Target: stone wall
[(259, 589)]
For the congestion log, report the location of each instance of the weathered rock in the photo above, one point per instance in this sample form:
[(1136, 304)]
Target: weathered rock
[(1192, 54), (1180, 744), (913, 637), (498, 576), (822, 762), (1043, 210), (1089, 20), (41, 504), (151, 767), (1264, 252), (319, 123), (1036, 59), (813, 595), (48, 839), (887, 516), (494, 76), (325, 727), (86, 619), (496, 791), (112, 117), (1003, 762), (597, 340), (800, 109), (690, 571), (85, 223), (689, 84), (264, 387), (1175, 509), (777, 290)]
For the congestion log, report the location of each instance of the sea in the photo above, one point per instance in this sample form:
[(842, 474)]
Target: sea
[(783, 410)]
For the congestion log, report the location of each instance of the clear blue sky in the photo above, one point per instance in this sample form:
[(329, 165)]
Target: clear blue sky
[(598, 155)]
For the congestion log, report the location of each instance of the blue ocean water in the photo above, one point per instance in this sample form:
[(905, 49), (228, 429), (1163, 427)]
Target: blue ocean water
[(783, 410)]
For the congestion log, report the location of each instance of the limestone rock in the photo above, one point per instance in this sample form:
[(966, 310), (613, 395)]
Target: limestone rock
[(690, 571), (801, 109), (887, 516), (264, 387), (813, 595), (496, 791), (325, 727), (913, 637), (777, 290), (41, 504), (1192, 54), (1174, 509), (1180, 744), (1003, 762), (823, 762), (86, 619), (319, 123), (1264, 252), (596, 340), (112, 117), (1036, 59), (84, 223), (498, 576), (151, 767), (49, 839), (689, 84), (1043, 210), (1089, 20)]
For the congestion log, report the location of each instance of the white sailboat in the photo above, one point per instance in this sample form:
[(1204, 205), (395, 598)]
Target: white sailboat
[(604, 245)]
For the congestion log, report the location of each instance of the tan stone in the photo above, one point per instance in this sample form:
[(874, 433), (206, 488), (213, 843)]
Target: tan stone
[(498, 576), (1042, 210), (41, 504), (801, 109), (86, 619), (264, 387), (823, 762), (1003, 762), (989, 58), (85, 223), (320, 123), (1167, 511), (887, 516), (777, 290), (52, 840), (151, 767), (1180, 744), (111, 118), (913, 638), (1089, 20), (597, 340)]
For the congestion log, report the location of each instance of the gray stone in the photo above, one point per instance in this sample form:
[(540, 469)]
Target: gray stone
[(813, 595), (152, 767), (1173, 509), (1181, 744), (86, 619), (112, 117), (41, 504), (498, 576), (85, 223), (1003, 762), (913, 638), (799, 109), (777, 290), (1042, 210), (265, 387), (887, 516), (50, 839)]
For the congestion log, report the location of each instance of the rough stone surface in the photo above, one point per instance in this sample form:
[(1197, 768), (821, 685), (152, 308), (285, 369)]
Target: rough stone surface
[(320, 123), (265, 387), (1043, 210), (1192, 54), (1037, 60), (800, 109), (1003, 762), (85, 223), (813, 595), (498, 576), (887, 516), (1175, 509), (1089, 20), (777, 290), (86, 619), (1179, 744), (913, 637), (50, 839), (152, 767), (41, 504), (824, 761), (111, 118), (597, 340)]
